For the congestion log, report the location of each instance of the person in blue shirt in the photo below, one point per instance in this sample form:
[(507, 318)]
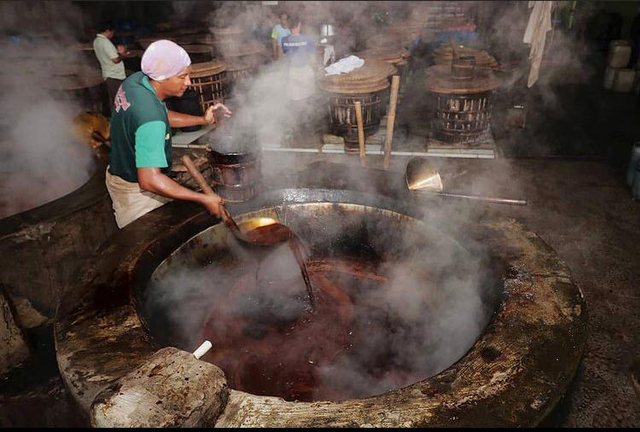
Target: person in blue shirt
[(300, 55), (280, 31)]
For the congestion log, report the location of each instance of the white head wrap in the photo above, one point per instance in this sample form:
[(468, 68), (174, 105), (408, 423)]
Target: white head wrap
[(164, 59)]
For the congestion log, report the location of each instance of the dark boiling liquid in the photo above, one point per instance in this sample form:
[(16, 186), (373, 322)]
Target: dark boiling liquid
[(265, 352), (274, 234), (271, 340)]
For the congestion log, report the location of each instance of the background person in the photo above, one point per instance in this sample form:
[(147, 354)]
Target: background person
[(110, 58), (300, 52), (279, 31)]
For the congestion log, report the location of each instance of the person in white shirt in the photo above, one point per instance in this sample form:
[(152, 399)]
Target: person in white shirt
[(110, 58)]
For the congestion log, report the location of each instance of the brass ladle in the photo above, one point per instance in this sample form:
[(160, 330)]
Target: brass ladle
[(263, 231), (422, 177)]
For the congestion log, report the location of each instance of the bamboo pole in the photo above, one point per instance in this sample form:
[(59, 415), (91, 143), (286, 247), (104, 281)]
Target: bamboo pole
[(391, 120), (360, 133)]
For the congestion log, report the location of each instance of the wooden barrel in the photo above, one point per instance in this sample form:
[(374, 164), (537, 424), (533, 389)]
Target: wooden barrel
[(343, 117), (199, 53), (234, 158), (236, 176), (461, 119), (366, 85), (443, 55), (463, 105), (398, 57), (209, 80)]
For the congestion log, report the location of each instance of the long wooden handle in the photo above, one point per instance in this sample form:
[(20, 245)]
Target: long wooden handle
[(206, 189), (202, 183), (360, 133), (391, 120)]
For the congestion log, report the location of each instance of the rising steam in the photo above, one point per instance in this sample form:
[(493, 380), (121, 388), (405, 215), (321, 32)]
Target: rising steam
[(40, 160)]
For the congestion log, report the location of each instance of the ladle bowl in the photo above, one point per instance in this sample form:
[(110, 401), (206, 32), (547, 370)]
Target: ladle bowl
[(258, 231), (264, 232), (422, 177)]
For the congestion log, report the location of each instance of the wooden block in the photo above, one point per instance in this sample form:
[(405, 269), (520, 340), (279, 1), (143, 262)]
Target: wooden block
[(172, 389)]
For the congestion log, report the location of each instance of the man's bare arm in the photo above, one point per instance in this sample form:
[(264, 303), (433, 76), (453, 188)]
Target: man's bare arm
[(179, 120), (153, 180), (122, 54)]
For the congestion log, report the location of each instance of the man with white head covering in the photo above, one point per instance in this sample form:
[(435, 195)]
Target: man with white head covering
[(141, 152)]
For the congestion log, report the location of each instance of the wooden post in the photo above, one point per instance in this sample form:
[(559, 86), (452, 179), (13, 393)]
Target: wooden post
[(391, 119), (360, 133)]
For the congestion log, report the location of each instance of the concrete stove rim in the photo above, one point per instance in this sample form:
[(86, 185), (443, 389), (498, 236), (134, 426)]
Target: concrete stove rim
[(506, 379)]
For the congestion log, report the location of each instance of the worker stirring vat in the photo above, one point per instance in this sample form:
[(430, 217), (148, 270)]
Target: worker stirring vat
[(141, 135)]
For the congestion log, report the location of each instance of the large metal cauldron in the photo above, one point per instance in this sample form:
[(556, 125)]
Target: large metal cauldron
[(513, 375), (371, 273)]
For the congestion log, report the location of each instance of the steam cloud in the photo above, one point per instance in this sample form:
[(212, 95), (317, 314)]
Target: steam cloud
[(437, 292), (40, 159), (435, 296)]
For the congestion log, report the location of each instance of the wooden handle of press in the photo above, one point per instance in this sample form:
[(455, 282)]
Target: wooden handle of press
[(202, 183), (360, 133), (391, 120)]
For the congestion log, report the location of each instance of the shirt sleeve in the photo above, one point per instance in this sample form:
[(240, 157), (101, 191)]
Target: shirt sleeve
[(150, 138), (111, 50), (105, 50), (274, 33)]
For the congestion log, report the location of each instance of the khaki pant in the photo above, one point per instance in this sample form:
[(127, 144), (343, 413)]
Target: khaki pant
[(130, 201)]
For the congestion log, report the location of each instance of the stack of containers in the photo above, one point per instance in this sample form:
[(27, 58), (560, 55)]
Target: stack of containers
[(618, 77)]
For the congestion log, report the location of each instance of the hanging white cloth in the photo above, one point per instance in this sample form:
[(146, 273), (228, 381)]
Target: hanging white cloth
[(536, 34)]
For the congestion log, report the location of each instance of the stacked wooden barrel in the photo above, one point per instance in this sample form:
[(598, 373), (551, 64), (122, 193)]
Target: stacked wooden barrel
[(463, 106), (367, 85), (209, 80), (443, 55), (398, 57)]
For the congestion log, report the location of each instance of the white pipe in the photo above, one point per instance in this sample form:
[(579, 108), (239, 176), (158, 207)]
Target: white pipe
[(202, 349)]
